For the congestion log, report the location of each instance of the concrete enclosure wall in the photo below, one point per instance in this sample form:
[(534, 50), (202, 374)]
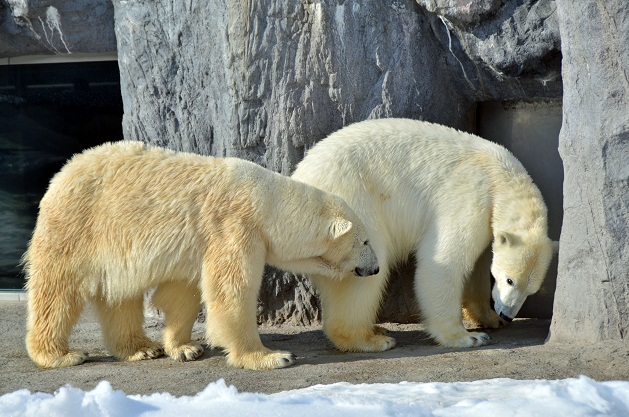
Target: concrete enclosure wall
[(530, 129)]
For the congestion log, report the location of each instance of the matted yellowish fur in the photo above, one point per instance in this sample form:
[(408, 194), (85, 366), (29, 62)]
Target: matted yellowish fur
[(122, 218)]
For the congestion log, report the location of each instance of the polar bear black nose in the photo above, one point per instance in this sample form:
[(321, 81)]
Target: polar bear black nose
[(505, 317), (364, 272)]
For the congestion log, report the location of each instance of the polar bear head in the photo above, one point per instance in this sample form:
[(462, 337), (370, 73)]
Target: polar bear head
[(350, 249), (332, 241), (519, 266)]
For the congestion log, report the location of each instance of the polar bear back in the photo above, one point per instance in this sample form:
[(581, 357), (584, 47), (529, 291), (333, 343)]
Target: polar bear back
[(133, 211), (360, 163), (143, 213)]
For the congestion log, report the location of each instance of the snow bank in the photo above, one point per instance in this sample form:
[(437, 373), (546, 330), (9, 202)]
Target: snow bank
[(495, 397)]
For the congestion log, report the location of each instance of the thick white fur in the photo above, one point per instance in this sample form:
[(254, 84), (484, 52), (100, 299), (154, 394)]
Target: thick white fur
[(121, 218), (444, 195)]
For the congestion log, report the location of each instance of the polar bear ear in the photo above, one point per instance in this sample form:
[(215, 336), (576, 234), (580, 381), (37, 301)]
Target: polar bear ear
[(505, 239), (339, 227)]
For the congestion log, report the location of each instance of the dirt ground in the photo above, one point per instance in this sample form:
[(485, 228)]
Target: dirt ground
[(517, 351)]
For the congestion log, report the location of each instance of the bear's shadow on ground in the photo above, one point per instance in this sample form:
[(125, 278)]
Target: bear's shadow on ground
[(313, 348)]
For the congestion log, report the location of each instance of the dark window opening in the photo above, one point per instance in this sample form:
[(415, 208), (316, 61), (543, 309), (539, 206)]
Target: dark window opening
[(48, 112)]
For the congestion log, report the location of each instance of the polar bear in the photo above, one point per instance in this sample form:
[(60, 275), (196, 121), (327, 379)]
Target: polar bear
[(448, 197), (124, 217)]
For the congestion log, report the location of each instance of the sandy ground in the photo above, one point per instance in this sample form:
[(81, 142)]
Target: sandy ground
[(517, 351)]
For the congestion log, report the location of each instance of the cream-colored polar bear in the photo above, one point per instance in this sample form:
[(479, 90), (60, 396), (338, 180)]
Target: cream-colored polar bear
[(121, 218), (447, 197)]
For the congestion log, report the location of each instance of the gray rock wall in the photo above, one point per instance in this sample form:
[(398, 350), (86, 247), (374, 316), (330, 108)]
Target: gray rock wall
[(264, 80), (592, 297), (505, 50)]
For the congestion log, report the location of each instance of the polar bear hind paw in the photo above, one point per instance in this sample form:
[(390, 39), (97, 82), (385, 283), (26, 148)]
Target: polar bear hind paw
[(470, 339), (151, 351), (264, 360), (185, 353), (71, 358)]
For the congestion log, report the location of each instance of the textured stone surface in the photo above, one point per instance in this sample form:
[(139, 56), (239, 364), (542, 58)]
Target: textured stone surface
[(504, 50), (33, 27), (592, 298), (265, 80)]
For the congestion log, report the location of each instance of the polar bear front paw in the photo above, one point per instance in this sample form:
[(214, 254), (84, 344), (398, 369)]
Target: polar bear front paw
[(380, 330), (470, 339), (492, 321), (378, 343), (487, 318), (185, 353), (264, 360)]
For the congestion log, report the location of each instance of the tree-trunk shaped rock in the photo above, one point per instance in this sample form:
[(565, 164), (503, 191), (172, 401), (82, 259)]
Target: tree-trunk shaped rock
[(592, 296)]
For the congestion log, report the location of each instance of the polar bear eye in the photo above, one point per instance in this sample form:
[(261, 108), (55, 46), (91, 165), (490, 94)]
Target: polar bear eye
[(510, 281)]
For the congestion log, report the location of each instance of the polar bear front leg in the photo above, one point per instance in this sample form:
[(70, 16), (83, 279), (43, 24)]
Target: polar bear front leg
[(180, 302), (477, 294), (439, 290), (230, 291), (350, 307)]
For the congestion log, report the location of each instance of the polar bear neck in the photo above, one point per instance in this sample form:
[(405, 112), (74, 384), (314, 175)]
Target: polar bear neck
[(518, 205)]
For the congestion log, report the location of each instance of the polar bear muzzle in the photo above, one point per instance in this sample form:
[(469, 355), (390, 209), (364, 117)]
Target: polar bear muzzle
[(507, 301), (367, 261)]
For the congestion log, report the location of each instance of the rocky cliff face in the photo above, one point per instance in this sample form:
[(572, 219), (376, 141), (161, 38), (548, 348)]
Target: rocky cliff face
[(592, 297), (265, 80), (506, 50)]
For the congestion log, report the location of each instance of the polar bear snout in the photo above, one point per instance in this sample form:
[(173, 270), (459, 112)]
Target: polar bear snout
[(364, 272), (367, 264), (507, 301)]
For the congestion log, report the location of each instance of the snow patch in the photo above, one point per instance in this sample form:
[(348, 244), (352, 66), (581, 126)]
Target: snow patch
[(576, 397)]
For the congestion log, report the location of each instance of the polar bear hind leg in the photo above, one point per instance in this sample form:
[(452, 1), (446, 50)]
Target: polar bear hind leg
[(51, 316), (180, 302), (123, 329)]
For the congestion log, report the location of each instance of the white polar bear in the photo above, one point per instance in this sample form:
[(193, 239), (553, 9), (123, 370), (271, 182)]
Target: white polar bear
[(122, 218), (445, 196)]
